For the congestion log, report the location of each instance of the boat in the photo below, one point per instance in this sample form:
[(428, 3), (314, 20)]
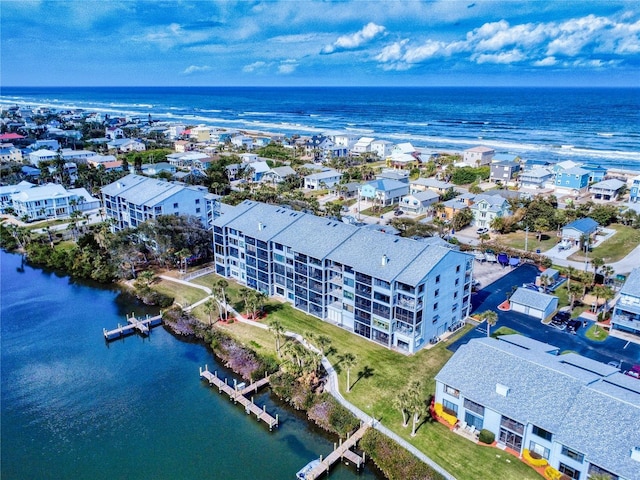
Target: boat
[(490, 256), (304, 471), (503, 259), (514, 261)]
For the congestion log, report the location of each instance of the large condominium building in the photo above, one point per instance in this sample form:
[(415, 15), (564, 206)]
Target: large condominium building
[(398, 292), (582, 416), (134, 199)]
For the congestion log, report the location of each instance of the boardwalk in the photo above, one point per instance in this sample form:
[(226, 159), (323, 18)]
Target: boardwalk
[(343, 451), (133, 324), (238, 396)]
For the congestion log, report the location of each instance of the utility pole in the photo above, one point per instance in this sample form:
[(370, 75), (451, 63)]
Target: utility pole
[(526, 238)]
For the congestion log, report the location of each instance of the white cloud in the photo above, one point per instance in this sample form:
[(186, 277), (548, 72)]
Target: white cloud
[(190, 70), (546, 62), (287, 66), (355, 40), (252, 67), (391, 52), (512, 56)]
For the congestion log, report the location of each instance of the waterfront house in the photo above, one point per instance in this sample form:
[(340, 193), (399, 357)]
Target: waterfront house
[(51, 201), (487, 207), (397, 292), (344, 140), (503, 171), (320, 180), (134, 199), (579, 415), (579, 229), (573, 180), (607, 190), (626, 313), (634, 191), (596, 172), (478, 156), (363, 145), (382, 148), (201, 133), (384, 192), (6, 191), (535, 304), (126, 145), (418, 203)]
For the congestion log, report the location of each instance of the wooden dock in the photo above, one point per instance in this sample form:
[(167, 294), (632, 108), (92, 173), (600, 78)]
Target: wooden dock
[(342, 451), (133, 324), (237, 395)]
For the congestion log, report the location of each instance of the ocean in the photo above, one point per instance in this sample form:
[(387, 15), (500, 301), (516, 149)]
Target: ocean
[(75, 407), (589, 125)]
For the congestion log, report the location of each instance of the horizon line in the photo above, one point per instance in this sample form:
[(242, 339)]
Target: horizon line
[(325, 86)]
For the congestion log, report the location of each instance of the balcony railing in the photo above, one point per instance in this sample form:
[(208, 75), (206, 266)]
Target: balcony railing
[(626, 321)]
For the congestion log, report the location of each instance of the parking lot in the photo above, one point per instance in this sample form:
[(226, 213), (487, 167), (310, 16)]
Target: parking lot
[(491, 295)]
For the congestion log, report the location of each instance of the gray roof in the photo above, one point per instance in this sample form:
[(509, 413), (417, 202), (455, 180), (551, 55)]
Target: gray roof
[(632, 284), (432, 182), (263, 221), (574, 171), (565, 394), (425, 195), (283, 171), (324, 174), (531, 298), (612, 184), (141, 190)]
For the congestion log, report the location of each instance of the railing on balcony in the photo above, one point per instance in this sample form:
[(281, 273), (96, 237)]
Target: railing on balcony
[(626, 321), (407, 302), (362, 290)]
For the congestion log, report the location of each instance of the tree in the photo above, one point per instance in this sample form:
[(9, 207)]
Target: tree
[(348, 360), (209, 308), (596, 263), (574, 289), (607, 271), (417, 405), (277, 329), (461, 219), (491, 318), (219, 287), (244, 296), (540, 225), (571, 271), (401, 402)]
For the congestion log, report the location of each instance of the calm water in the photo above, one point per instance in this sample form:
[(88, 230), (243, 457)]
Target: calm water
[(74, 407), (596, 125)]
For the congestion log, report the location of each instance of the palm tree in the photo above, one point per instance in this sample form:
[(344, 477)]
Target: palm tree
[(596, 263), (607, 272), (277, 329), (491, 318), (244, 296), (401, 402), (574, 290), (209, 307), (607, 294), (349, 361), (571, 271), (219, 287), (417, 405)]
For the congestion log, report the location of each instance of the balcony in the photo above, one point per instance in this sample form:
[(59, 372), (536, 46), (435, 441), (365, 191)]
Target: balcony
[(626, 321), (363, 291), (409, 303)]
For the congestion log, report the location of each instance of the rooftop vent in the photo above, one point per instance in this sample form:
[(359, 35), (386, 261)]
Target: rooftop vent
[(502, 389), (384, 260), (260, 226), (635, 454)]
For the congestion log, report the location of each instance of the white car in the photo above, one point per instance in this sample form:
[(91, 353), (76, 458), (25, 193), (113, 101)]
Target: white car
[(482, 231)]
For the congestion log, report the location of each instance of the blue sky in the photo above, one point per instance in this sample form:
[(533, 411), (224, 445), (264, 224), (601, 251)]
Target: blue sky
[(304, 42)]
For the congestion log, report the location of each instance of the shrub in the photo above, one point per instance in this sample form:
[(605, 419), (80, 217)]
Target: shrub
[(487, 436), (533, 459), (447, 417)]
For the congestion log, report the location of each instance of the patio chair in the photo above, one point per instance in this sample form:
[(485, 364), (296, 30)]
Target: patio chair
[(472, 430), (462, 424)]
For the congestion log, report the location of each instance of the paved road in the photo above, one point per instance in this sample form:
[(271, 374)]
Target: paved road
[(489, 297)]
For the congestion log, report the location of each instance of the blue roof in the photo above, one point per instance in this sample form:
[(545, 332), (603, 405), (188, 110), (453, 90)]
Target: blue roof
[(584, 225)]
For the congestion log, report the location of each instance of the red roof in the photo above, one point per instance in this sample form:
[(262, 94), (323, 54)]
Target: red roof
[(10, 136)]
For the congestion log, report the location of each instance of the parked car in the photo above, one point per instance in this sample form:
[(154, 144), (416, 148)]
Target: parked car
[(573, 326), (397, 213), (634, 372), (482, 231)]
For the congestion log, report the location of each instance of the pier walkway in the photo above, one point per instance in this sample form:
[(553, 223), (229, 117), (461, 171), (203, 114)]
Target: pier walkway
[(133, 324), (342, 451), (238, 396)]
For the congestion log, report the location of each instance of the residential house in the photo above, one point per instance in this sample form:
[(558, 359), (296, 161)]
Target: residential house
[(487, 207), (9, 153), (572, 180), (320, 180), (382, 148), (175, 131), (242, 142), (607, 190), (579, 229), (536, 179), (392, 174), (347, 190), (125, 145), (182, 146), (403, 155), (30, 172), (49, 144), (278, 174), (503, 172), (51, 201), (455, 205), (233, 170), (478, 156), (42, 155), (113, 133), (190, 160), (363, 145), (534, 399), (626, 313), (397, 292), (249, 157), (634, 190), (596, 172), (78, 156), (384, 192), (418, 203), (319, 148), (421, 184), (69, 168), (157, 168), (345, 140), (134, 199), (257, 170), (532, 303), (6, 191), (200, 133)]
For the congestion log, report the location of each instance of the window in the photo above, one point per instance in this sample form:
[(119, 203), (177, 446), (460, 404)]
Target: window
[(435, 319), (458, 269), (569, 471), (567, 452), (541, 433), (436, 293), (539, 449), (474, 407), (435, 306), (349, 282), (438, 279), (175, 205), (457, 282), (451, 391), (450, 406), (348, 295), (474, 421), (197, 210), (197, 201)]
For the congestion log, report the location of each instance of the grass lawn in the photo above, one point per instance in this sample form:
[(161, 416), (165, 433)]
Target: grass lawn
[(596, 333), (503, 331), (48, 223), (375, 380), (517, 240), (375, 211), (616, 248), (183, 294)]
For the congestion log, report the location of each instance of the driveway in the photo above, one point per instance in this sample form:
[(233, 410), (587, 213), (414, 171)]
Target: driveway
[(490, 296)]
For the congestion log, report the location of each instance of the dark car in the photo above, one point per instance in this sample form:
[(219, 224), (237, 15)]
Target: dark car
[(397, 213), (573, 325)]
